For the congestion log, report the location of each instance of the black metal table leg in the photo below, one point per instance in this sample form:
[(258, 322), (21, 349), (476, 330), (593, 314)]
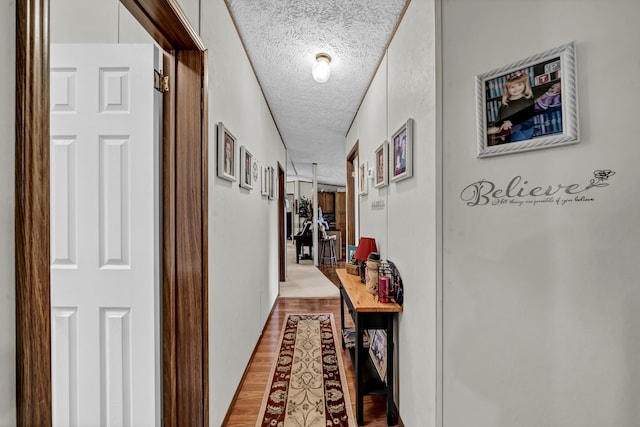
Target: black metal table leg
[(359, 361), (391, 412), (342, 315)]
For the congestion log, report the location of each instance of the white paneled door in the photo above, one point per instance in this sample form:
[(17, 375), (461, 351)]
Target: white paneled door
[(104, 240)]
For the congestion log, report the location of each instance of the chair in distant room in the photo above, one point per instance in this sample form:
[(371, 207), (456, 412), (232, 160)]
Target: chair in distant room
[(327, 247)]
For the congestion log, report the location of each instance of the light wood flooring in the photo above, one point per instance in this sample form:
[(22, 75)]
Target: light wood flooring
[(244, 410)]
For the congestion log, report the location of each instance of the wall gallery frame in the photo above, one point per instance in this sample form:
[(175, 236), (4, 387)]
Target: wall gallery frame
[(362, 178), (226, 153), (246, 166), (402, 152), (264, 185), (528, 105), (273, 193), (381, 156)]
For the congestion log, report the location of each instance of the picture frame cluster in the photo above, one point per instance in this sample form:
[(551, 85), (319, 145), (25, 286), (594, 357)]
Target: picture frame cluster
[(526, 105), (239, 161), (393, 161)]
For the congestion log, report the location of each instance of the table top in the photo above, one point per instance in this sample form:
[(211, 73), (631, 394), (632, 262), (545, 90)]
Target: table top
[(361, 299)]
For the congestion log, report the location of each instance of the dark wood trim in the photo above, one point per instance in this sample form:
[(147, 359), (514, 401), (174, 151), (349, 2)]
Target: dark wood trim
[(184, 208), (166, 22), (190, 285), (33, 305), (169, 349), (246, 369), (351, 208), (204, 119), (282, 250)]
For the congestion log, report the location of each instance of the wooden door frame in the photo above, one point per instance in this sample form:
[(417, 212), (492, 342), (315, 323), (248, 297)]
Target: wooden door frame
[(351, 216), (184, 212), (282, 252)]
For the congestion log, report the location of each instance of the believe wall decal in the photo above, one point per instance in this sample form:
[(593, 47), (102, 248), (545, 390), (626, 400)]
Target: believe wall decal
[(519, 192)]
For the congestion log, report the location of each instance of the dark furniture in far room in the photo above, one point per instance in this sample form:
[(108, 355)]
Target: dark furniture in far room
[(304, 238), (368, 313)]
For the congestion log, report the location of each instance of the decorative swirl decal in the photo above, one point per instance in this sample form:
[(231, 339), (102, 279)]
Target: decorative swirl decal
[(600, 176)]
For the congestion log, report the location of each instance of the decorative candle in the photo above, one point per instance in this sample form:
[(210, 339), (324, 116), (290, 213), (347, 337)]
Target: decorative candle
[(383, 288)]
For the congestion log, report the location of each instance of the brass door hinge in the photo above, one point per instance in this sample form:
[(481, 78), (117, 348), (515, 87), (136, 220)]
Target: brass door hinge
[(160, 82)]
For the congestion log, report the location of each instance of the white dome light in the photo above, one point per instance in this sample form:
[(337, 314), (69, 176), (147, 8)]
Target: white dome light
[(321, 70)]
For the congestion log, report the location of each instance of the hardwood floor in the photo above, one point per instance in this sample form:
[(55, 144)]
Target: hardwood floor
[(244, 410)]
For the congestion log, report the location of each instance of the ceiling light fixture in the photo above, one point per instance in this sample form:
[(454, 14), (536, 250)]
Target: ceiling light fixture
[(321, 70)]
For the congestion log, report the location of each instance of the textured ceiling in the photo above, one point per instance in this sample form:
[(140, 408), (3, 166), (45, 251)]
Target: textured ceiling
[(282, 38)]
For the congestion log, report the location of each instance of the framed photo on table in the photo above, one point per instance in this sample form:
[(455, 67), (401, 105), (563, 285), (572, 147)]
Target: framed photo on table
[(378, 351), (402, 152), (351, 251), (246, 168), (381, 155), (226, 153), (529, 104)]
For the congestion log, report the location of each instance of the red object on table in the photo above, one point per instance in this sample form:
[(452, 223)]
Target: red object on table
[(365, 247)]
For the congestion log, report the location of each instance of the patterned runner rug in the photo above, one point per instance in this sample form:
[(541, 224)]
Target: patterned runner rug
[(308, 384)]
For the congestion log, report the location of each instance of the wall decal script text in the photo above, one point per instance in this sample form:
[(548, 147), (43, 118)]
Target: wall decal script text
[(519, 192)]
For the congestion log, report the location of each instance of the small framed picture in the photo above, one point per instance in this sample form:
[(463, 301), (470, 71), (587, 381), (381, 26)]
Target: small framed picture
[(226, 153), (246, 166), (378, 351), (528, 105), (362, 178), (351, 251), (273, 181), (264, 185), (381, 155), (402, 152)]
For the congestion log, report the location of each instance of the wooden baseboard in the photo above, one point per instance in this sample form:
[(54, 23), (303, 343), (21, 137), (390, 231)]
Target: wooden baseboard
[(246, 369)]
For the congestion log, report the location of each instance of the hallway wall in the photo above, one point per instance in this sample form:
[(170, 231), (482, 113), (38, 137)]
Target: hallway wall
[(243, 225), (70, 21), (243, 245), (541, 302), (7, 215), (405, 229)]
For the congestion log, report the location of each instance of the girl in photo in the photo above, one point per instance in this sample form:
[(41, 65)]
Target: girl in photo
[(515, 117)]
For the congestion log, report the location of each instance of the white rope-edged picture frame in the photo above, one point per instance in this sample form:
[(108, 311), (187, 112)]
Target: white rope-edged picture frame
[(528, 105)]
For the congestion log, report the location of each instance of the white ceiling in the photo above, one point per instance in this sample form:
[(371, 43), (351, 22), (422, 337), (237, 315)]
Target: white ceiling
[(282, 38)]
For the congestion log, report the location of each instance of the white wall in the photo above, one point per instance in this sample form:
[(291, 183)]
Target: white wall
[(541, 303), (405, 231), (7, 217), (243, 244), (243, 225), (94, 21)]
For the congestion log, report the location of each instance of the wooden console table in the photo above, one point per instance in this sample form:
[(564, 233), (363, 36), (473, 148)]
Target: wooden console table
[(367, 313)]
